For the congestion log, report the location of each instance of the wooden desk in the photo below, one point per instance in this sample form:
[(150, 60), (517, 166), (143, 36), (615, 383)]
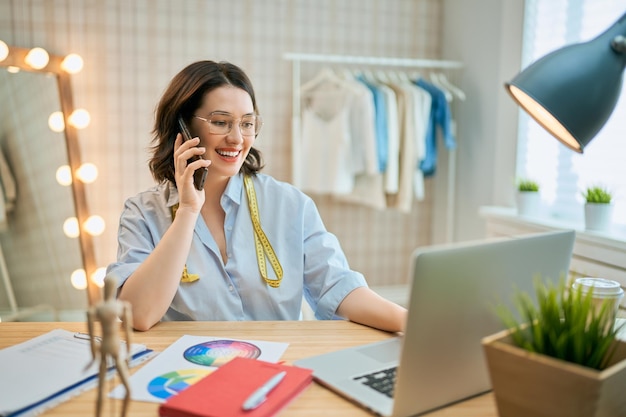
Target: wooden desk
[(305, 338)]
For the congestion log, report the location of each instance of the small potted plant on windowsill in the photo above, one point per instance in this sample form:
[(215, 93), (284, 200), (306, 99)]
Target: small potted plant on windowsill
[(562, 357), (598, 208), (528, 200)]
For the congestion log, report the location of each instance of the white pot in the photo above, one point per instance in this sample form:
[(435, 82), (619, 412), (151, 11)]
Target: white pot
[(598, 216), (528, 203)]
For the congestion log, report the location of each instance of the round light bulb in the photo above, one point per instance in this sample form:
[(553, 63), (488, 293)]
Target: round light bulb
[(70, 227), (4, 51), (98, 276), (72, 63), (64, 175), (79, 279), (87, 173), (94, 225), (56, 122), (13, 69), (80, 118), (37, 58)]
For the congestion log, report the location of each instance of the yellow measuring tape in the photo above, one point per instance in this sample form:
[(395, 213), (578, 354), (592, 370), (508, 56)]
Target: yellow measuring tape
[(261, 243), (186, 276)]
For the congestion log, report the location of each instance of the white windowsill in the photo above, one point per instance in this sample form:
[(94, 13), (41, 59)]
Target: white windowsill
[(615, 239)]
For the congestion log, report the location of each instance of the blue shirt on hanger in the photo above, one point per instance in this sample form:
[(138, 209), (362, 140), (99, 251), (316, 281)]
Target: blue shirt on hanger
[(440, 115)]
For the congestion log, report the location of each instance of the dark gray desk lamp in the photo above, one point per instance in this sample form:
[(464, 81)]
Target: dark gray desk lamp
[(572, 91)]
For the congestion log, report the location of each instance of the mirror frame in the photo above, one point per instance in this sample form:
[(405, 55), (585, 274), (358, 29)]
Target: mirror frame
[(16, 58)]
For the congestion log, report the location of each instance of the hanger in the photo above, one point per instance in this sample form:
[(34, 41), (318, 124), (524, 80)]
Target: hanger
[(382, 76), (349, 76), (451, 87), (414, 76), (393, 76), (402, 76), (368, 75), (326, 76), (434, 79), (346, 73)]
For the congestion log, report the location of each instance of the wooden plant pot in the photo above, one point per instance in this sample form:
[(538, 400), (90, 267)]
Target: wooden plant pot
[(532, 385)]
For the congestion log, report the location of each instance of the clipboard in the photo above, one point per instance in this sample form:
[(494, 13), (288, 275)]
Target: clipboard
[(50, 369)]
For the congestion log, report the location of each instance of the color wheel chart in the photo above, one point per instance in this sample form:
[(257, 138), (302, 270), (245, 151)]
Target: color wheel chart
[(189, 359), (218, 352)]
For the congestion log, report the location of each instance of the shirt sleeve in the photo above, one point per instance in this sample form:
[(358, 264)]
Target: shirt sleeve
[(328, 278), (136, 240)]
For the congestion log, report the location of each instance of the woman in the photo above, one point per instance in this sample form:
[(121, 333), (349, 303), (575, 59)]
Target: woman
[(219, 253)]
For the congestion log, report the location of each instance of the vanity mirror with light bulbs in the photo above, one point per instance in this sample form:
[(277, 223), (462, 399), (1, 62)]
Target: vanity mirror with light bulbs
[(47, 258)]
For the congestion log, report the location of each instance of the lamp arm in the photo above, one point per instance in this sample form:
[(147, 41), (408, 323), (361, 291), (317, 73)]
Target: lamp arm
[(619, 44)]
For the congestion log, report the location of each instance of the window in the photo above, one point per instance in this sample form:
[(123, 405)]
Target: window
[(562, 173)]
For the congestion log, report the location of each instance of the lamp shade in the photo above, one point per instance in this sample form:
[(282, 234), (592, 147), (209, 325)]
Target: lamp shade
[(572, 91)]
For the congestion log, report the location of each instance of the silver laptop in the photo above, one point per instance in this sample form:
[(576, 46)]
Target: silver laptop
[(454, 291)]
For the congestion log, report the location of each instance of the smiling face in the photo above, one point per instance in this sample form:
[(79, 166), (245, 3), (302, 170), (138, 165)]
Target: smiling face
[(227, 152)]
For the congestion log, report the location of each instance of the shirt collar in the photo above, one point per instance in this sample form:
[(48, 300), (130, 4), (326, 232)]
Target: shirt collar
[(234, 188), (170, 192)]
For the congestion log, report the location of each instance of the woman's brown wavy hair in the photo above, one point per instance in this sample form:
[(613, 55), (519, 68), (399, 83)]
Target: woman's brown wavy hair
[(182, 97)]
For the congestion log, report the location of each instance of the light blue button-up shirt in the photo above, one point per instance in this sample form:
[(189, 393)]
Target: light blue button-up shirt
[(313, 262)]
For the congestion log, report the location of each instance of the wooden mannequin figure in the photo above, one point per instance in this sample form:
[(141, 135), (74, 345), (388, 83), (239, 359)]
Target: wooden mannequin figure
[(108, 312)]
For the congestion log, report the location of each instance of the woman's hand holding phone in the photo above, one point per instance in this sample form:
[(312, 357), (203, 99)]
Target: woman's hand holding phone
[(199, 175), (187, 162)]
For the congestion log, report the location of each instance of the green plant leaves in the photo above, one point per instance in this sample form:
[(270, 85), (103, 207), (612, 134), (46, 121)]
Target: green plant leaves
[(597, 195), (527, 185), (564, 324)]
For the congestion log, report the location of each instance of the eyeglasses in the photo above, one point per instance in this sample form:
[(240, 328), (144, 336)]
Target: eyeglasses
[(222, 124)]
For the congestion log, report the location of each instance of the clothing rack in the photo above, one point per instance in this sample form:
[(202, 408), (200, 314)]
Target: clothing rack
[(296, 60)]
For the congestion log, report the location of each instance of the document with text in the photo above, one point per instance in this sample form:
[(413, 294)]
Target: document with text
[(49, 369)]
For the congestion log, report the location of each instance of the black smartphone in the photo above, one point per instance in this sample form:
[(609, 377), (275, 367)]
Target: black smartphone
[(199, 175)]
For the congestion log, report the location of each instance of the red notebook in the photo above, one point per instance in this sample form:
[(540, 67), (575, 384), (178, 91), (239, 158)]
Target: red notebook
[(223, 392)]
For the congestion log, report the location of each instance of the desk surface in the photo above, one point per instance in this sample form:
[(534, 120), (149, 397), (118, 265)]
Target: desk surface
[(305, 338)]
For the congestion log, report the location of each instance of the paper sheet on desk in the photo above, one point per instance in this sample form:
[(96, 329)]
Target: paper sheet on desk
[(188, 360), (48, 369)]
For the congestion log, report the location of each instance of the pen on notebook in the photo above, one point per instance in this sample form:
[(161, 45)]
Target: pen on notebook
[(86, 336), (258, 397)]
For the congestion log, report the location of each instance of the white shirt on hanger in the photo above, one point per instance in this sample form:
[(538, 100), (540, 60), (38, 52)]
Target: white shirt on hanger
[(413, 104), (326, 161), (368, 183), (420, 115), (392, 173)]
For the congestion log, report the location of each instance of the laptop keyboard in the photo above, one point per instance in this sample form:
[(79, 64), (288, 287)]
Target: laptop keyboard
[(382, 381)]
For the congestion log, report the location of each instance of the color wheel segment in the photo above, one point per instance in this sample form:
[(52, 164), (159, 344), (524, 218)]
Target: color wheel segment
[(171, 383)]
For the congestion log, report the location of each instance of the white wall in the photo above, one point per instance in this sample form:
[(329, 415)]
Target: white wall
[(486, 36)]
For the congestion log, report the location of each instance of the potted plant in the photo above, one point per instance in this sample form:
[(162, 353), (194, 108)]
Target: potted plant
[(598, 208), (528, 200), (561, 358)]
